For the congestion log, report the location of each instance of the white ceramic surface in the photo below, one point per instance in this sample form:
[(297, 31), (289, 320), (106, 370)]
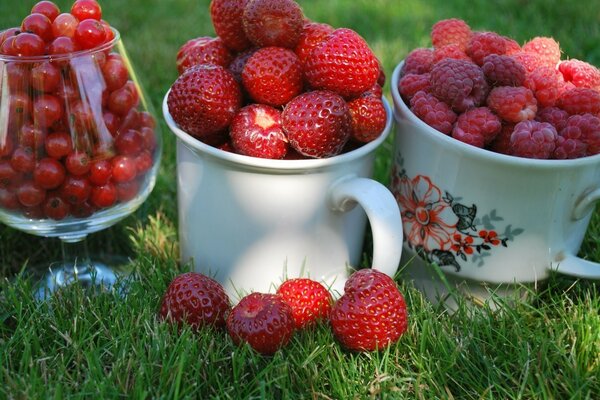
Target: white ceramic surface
[(490, 217), (252, 222)]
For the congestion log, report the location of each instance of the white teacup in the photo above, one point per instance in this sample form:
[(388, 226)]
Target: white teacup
[(251, 222), (489, 217)]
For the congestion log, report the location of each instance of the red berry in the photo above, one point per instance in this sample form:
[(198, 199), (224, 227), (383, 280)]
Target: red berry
[(47, 109), (8, 175), (309, 300), (547, 49), (58, 144), (533, 139), (451, 31), (49, 173), (64, 24), (584, 132), (368, 117), (547, 83), (115, 73), (55, 207), (45, 77), (342, 63), (461, 84), (84, 9), (143, 163), (38, 24), (127, 190), (62, 45), (204, 99), (89, 33), (32, 136), (531, 61), (9, 199), (23, 159), (580, 101), (256, 131), (47, 8), (501, 143), (78, 163), (273, 76), (580, 73), (236, 66), (512, 104), (203, 50), (318, 123), (482, 44), (100, 172), (195, 300), (129, 142), (81, 210), (28, 45), (477, 127), (313, 33), (419, 61), (121, 101), (264, 321), (371, 314), (449, 51), (123, 169), (273, 22), (502, 70), (226, 16), (103, 196), (410, 84), (148, 138), (75, 189), (433, 112), (30, 195), (554, 116)]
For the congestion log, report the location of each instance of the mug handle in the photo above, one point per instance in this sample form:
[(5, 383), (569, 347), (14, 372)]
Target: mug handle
[(571, 264), (383, 213)]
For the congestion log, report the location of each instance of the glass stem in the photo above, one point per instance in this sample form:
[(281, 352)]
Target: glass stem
[(76, 258)]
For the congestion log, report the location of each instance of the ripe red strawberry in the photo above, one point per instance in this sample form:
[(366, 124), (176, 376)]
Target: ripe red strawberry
[(342, 63), (202, 50), (204, 100), (264, 321), (273, 22), (368, 117), (273, 76), (317, 123), (371, 314), (196, 300), (256, 131), (226, 16), (312, 34), (310, 301), (236, 66)]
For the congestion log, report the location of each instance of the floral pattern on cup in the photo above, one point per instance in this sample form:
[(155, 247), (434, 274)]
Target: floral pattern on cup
[(440, 228)]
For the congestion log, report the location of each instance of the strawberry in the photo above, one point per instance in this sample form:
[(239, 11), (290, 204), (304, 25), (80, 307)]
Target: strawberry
[(312, 34), (196, 300), (256, 131), (342, 63), (273, 76), (202, 50), (264, 321), (226, 16), (317, 123), (371, 314), (368, 117), (273, 22), (236, 66), (204, 99), (310, 301)]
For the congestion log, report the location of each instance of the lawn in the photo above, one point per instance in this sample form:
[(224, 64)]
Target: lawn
[(107, 346)]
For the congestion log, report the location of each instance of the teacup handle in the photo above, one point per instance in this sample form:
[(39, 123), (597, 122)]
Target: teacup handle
[(571, 264), (383, 213)]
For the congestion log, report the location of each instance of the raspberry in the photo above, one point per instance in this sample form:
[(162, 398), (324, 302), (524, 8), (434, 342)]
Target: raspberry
[(433, 112), (461, 84), (477, 127), (547, 84), (553, 115), (581, 135), (419, 61), (410, 84), (512, 46), (531, 61), (568, 148), (451, 31), (502, 70), (501, 143), (546, 48), (449, 51), (512, 104), (580, 101), (532, 139), (580, 73), (482, 44)]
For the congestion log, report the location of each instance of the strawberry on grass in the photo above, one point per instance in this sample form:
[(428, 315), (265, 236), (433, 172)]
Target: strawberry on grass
[(310, 301)]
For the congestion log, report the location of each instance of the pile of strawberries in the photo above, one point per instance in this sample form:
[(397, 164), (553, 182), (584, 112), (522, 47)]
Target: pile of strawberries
[(370, 315), (276, 85), (486, 90)]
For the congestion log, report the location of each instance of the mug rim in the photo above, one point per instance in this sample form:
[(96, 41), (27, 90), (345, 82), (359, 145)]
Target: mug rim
[(271, 164), (476, 152)]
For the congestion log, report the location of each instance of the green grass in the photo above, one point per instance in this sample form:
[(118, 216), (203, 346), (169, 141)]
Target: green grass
[(108, 346)]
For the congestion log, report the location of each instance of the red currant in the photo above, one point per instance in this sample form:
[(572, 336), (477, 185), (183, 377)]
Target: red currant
[(45, 77), (82, 115), (78, 163), (49, 173), (32, 136), (47, 109), (148, 137), (143, 162), (115, 74), (112, 122), (6, 145), (147, 120), (19, 107), (84, 9), (127, 190), (64, 25), (55, 207), (7, 174), (100, 172), (28, 45), (62, 45), (129, 142), (82, 210), (38, 24), (104, 196), (121, 101), (34, 212), (30, 195), (110, 34), (9, 199), (123, 169), (23, 159), (58, 144), (48, 8), (7, 33), (75, 189), (89, 34), (130, 121)]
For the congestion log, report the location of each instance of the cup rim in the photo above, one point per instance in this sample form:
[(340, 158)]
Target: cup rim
[(270, 164), (476, 152), (61, 57)]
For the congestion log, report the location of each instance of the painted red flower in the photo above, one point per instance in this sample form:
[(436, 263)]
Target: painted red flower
[(422, 210), (462, 244), (490, 237)]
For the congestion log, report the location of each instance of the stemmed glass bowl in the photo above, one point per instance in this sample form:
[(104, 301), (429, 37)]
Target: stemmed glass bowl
[(79, 151)]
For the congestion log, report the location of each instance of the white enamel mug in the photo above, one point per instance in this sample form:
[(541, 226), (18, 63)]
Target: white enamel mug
[(251, 222), (490, 217)]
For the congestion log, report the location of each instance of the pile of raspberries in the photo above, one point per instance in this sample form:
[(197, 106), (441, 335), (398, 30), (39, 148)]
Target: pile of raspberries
[(486, 90)]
